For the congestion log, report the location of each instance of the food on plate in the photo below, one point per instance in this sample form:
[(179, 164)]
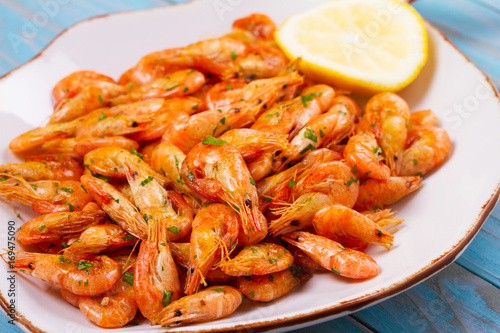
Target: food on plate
[(208, 174)]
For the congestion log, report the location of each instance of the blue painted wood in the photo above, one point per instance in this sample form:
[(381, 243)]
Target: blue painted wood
[(453, 300)]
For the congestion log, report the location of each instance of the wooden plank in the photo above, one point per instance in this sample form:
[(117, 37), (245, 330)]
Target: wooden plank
[(454, 300), (341, 325), (6, 327)]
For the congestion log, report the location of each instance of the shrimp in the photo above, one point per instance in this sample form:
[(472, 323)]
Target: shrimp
[(156, 282), (375, 194), (83, 145), (427, 148), (210, 304), (109, 311), (387, 116), (216, 171), (81, 277), (35, 138), (224, 94), (72, 84), (303, 260), (266, 288), (350, 228), (88, 99), (424, 118), (57, 226), (211, 56), (215, 232), (259, 25), (44, 196), (116, 206), (157, 204), (177, 84), (258, 259), (167, 159), (172, 109), (333, 256), (363, 155), (98, 239), (253, 144), (45, 167), (109, 162), (181, 254)]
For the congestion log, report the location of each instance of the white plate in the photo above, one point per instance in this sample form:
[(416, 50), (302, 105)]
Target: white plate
[(441, 218)]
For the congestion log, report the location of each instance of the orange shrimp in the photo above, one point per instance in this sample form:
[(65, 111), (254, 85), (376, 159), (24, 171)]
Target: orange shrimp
[(266, 288), (109, 162), (350, 228), (258, 259), (109, 311), (424, 118), (45, 167), (375, 194), (83, 145), (156, 282), (210, 56), (116, 206), (333, 256), (98, 239), (224, 94), (81, 277), (44, 196), (303, 260), (216, 171), (210, 304), (387, 116), (215, 232), (177, 84), (427, 148), (259, 25), (72, 84), (181, 253), (363, 155), (158, 204), (57, 226)]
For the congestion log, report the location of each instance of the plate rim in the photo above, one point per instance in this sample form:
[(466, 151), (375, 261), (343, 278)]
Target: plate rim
[(353, 305)]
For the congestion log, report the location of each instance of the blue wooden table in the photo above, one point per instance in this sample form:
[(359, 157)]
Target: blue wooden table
[(463, 297)]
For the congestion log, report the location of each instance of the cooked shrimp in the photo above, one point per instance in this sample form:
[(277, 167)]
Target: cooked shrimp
[(35, 138), (177, 84), (156, 282), (84, 277), (72, 84), (387, 116), (211, 56), (216, 171), (44, 196), (210, 304), (88, 99), (45, 167), (224, 94), (56, 226), (109, 311), (83, 145), (350, 228), (158, 204), (266, 288), (116, 206), (333, 256), (215, 231), (303, 260), (98, 239), (375, 194), (424, 118), (259, 25), (181, 253), (109, 162), (427, 148), (364, 156), (258, 259)]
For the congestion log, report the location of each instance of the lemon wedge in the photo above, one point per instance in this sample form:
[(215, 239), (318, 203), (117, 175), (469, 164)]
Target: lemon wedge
[(364, 46)]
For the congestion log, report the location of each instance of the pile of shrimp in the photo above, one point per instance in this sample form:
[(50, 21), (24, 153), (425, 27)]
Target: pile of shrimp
[(207, 174)]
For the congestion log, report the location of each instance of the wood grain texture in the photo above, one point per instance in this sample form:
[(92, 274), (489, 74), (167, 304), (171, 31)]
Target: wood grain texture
[(462, 297)]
